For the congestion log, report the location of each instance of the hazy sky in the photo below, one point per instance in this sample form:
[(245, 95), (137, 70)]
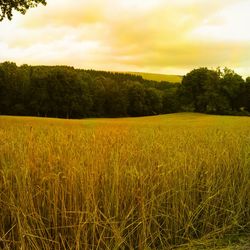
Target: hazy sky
[(165, 36)]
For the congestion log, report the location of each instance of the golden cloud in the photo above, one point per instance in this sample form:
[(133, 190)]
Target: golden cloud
[(152, 35)]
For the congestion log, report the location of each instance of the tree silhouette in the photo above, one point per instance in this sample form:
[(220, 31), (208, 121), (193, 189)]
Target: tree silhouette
[(7, 7)]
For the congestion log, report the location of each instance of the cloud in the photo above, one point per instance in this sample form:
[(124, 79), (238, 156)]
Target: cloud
[(64, 13), (145, 35)]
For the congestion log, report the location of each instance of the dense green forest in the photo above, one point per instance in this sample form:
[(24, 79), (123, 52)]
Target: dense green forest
[(62, 91)]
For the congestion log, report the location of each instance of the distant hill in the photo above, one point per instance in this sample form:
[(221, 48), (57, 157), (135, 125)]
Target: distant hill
[(158, 77)]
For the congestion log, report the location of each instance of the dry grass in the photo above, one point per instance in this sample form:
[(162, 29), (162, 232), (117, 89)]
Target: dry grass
[(162, 182)]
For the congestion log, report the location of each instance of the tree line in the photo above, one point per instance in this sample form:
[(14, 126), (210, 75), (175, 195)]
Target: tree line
[(65, 92)]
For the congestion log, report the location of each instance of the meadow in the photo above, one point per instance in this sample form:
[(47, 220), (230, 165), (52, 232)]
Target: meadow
[(158, 77), (178, 181)]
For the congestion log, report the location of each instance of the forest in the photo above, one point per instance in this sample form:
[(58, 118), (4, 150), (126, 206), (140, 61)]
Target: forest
[(66, 92)]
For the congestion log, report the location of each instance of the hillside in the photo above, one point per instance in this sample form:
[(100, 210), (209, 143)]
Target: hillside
[(158, 77)]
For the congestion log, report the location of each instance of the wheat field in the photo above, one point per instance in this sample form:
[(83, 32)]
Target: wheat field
[(165, 182)]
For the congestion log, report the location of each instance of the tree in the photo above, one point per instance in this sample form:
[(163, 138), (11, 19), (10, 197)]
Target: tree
[(198, 89), (61, 91), (246, 98), (39, 102), (153, 101), (68, 93), (213, 91), (170, 101), (116, 101), (7, 7), (98, 93), (10, 90), (136, 97), (232, 86)]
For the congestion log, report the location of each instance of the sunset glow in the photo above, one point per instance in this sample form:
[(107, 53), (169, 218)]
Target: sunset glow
[(161, 36)]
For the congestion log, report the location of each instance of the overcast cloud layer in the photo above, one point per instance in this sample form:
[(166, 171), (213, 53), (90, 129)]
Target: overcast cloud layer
[(165, 36)]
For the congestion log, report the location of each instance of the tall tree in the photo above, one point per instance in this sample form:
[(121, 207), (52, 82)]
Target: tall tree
[(39, 101), (98, 93), (232, 85), (198, 88), (7, 7), (170, 101), (136, 96), (153, 101), (246, 97), (9, 88)]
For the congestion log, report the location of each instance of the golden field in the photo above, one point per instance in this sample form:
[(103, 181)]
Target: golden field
[(172, 181), (158, 77)]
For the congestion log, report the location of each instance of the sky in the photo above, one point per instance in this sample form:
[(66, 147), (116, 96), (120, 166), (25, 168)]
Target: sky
[(157, 36)]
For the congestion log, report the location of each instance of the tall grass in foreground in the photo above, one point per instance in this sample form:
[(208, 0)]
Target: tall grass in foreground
[(146, 183)]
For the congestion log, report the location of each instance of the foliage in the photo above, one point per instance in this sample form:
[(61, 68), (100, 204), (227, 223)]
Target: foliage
[(214, 91), (61, 91), (7, 7), (246, 96)]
